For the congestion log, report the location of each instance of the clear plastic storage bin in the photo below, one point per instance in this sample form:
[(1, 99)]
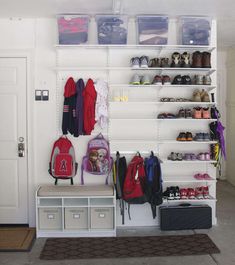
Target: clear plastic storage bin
[(195, 30), (112, 29), (152, 30), (73, 29)]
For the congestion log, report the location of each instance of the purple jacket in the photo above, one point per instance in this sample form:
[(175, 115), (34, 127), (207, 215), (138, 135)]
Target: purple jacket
[(79, 109)]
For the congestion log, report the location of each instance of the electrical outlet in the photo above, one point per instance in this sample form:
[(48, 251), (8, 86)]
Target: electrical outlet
[(38, 95), (45, 95)]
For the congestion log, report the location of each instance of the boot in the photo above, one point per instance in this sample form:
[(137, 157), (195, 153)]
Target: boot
[(206, 60), (197, 60)]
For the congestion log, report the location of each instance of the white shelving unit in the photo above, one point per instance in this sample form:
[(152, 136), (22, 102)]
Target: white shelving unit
[(133, 124)]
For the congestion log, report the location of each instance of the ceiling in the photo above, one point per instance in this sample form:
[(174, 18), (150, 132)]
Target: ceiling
[(222, 10)]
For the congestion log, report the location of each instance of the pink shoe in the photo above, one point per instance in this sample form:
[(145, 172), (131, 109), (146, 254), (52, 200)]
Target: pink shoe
[(201, 157), (206, 176), (206, 113), (198, 176), (191, 193), (206, 192), (207, 156), (199, 193)]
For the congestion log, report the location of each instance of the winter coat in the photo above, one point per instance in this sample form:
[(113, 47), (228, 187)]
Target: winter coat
[(79, 109), (89, 100), (101, 108), (68, 121)]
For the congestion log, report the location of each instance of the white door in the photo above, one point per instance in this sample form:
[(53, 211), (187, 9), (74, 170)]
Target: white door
[(13, 169)]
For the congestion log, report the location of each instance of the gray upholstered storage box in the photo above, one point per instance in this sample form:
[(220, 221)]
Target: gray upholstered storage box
[(49, 218), (76, 218), (102, 218)]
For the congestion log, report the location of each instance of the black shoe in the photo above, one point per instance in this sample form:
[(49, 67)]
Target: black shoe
[(169, 193), (186, 80), (177, 80), (176, 193)]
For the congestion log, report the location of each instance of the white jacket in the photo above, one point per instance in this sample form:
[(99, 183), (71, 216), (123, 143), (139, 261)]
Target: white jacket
[(101, 107)]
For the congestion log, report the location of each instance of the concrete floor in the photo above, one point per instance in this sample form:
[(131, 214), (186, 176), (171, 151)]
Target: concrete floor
[(223, 235)]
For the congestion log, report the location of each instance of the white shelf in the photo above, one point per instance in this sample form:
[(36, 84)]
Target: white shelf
[(163, 103), (159, 141), (166, 161), (185, 142), (190, 200), (174, 120), (187, 179), (165, 86)]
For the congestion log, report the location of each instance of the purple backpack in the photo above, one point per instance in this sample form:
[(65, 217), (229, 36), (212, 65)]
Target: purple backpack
[(97, 160)]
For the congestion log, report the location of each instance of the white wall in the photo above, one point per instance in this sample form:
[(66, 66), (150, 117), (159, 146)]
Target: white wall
[(39, 36)]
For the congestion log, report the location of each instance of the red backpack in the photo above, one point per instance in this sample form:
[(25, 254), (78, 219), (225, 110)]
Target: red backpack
[(62, 163), (133, 188)]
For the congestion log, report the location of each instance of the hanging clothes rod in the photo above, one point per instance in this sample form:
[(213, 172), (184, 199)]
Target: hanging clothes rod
[(133, 152)]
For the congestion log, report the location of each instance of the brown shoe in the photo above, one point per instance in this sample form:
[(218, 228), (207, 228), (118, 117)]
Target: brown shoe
[(197, 59), (181, 137), (206, 60)]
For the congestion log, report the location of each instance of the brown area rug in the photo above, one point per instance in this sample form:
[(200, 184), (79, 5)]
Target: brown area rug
[(17, 238), (126, 247)]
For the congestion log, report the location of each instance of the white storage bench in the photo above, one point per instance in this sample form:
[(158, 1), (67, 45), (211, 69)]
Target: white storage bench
[(75, 211)]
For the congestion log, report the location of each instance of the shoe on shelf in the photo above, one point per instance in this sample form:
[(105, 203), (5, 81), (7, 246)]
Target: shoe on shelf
[(188, 114), (170, 116), (175, 60), (197, 113), (205, 191), (135, 80), (206, 176), (187, 157), (193, 157), (185, 60), (205, 96), (155, 62), (198, 80), (166, 80), (206, 137), (179, 156), (169, 193), (135, 62), (189, 136), (206, 80), (181, 136), (191, 193), (207, 156), (176, 193), (183, 194), (186, 80), (201, 157), (198, 176), (181, 114), (177, 80), (196, 96), (197, 59), (144, 61), (206, 113), (172, 156), (157, 80), (199, 193), (199, 137), (206, 60), (145, 80), (164, 62), (161, 116)]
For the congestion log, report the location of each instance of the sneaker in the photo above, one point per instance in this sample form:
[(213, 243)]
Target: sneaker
[(187, 157), (198, 79), (199, 193), (188, 114), (144, 61), (155, 62), (172, 156), (177, 80), (205, 191), (176, 193), (205, 96), (181, 114), (183, 194), (181, 137), (206, 137), (193, 157), (135, 80), (196, 96), (198, 137), (197, 113), (166, 80), (189, 136), (206, 80), (185, 57), (179, 156), (169, 193), (135, 62), (191, 193), (145, 80), (201, 157), (197, 59), (206, 113), (157, 80), (164, 62), (175, 59), (207, 156), (206, 60), (186, 80)]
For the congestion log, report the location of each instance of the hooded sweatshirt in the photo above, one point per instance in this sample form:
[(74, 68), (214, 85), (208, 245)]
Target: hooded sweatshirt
[(68, 121), (89, 100), (79, 109)]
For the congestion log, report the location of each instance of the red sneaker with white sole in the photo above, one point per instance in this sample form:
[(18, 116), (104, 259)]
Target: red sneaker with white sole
[(183, 194), (199, 193), (206, 192), (191, 193)]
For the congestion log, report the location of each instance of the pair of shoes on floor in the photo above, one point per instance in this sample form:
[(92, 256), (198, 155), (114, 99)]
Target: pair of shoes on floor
[(139, 62), (140, 80), (202, 137), (200, 96), (175, 156), (185, 136), (184, 114), (201, 113), (172, 193), (195, 193)]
